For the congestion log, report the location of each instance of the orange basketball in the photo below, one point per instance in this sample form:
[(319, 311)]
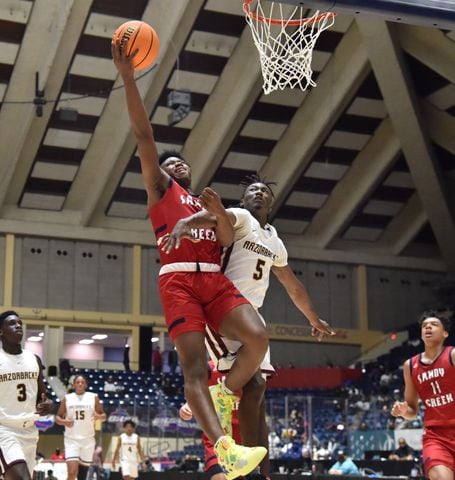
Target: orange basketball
[(137, 35)]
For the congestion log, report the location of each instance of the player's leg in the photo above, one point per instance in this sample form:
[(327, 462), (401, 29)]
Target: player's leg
[(13, 455), (72, 452), (234, 459), (438, 453), (129, 471), (193, 361), (18, 471), (86, 451), (249, 409), (263, 440), (440, 472), (243, 324)]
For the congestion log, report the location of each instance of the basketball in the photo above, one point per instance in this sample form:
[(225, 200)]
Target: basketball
[(138, 35)]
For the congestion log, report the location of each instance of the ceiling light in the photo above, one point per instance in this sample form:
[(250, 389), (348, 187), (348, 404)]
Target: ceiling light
[(34, 339), (154, 339), (99, 336), (41, 334), (86, 341)]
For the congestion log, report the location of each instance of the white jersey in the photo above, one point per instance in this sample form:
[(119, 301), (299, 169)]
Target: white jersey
[(255, 251), (80, 409), (128, 450), (19, 389)]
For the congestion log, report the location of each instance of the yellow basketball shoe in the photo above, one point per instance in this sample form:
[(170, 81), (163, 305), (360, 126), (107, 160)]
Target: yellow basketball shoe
[(224, 404), (237, 460)]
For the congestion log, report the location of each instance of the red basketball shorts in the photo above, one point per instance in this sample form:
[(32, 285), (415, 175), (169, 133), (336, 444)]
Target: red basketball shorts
[(192, 300), (438, 447)]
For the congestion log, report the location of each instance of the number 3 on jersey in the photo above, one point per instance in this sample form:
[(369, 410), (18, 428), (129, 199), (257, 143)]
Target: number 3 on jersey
[(21, 392), (257, 275)]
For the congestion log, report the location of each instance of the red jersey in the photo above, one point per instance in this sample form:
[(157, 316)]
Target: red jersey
[(435, 385), (176, 204)]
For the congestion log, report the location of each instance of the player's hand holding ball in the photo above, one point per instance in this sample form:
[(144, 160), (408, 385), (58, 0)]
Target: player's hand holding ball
[(135, 46)]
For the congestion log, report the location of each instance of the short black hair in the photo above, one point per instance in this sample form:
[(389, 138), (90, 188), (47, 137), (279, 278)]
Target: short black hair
[(256, 178), (168, 154), (444, 319), (77, 375), (129, 422), (5, 315)]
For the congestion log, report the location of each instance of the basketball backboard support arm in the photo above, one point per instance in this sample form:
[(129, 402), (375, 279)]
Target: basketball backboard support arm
[(429, 13)]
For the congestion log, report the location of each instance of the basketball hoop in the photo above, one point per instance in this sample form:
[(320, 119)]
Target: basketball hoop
[(285, 45)]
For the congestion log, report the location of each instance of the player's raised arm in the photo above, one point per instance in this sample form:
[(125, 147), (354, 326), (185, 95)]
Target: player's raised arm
[(154, 178), (299, 295)]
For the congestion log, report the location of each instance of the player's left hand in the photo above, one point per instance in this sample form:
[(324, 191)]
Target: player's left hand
[(211, 201), (320, 329), (185, 412), (45, 406), (172, 240)]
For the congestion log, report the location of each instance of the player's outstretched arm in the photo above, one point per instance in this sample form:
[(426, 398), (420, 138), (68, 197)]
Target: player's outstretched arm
[(409, 408), (154, 178), (299, 295)]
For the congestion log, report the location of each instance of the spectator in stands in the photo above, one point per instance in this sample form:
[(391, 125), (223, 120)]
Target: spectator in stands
[(57, 455), (111, 386), (363, 426), (172, 360), (344, 465), (322, 453), (148, 466), (157, 361), (126, 358), (295, 419), (50, 475), (403, 452), (65, 370), (274, 445)]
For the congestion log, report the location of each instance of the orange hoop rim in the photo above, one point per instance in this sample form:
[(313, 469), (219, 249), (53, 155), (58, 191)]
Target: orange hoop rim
[(274, 21)]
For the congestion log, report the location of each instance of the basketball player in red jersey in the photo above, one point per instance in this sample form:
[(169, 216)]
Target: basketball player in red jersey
[(212, 469), (431, 376), (193, 291)]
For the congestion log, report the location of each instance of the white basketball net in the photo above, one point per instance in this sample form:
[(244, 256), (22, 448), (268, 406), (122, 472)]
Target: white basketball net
[(285, 45)]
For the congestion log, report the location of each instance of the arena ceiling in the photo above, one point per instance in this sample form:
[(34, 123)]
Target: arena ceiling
[(364, 163)]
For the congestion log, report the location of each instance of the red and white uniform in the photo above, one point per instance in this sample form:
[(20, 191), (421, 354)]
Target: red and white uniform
[(435, 385), (194, 293), (210, 457)]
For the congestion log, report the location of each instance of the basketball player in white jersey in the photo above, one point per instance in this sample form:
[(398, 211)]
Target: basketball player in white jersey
[(22, 400), (77, 413), (257, 250), (129, 447)]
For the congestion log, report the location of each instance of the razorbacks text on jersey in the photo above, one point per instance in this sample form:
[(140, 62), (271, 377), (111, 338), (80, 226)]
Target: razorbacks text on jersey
[(247, 262), (19, 387)]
